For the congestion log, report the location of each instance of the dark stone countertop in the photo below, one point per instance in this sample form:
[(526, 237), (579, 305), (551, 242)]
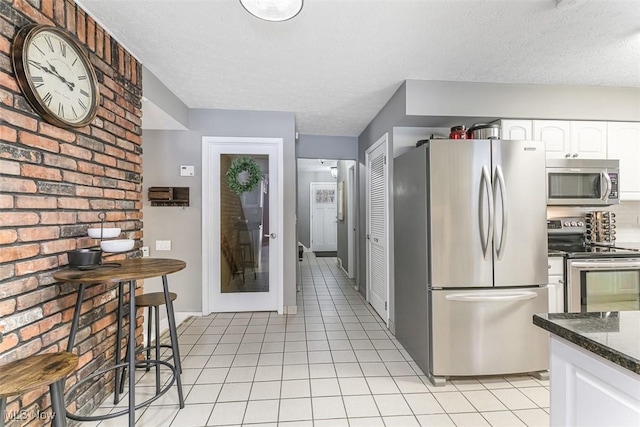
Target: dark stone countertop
[(613, 335)]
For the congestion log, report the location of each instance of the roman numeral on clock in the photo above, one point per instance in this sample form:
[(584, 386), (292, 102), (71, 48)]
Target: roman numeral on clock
[(63, 49), (84, 107), (60, 110), (38, 81), (49, 43), (84, 92), (47, 98)]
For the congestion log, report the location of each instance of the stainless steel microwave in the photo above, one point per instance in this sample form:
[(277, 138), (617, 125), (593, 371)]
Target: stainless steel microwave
[(582, 182)]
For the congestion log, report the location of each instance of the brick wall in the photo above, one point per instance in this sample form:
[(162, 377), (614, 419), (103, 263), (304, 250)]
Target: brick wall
[(53, 184)]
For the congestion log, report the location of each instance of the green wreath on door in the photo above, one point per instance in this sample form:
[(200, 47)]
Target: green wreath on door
[(253, 175)]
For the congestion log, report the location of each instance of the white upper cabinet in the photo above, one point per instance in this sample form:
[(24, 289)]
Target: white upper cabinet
[(623, 143), (572, 139), (516, 129), (556, 136), (589, 140)]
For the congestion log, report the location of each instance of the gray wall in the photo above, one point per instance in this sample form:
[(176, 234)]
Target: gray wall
[(304, 209), (156, 92), (165, 151), (327, 147)]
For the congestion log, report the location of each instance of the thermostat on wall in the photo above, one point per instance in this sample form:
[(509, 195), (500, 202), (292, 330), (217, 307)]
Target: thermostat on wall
[(187, 170)]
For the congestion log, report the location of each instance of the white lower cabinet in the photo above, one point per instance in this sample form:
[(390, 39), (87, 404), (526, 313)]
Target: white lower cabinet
[(556, 285), (588, 390)]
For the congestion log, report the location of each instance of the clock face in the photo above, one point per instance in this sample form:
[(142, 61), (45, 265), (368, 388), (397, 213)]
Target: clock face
[(55, 76)]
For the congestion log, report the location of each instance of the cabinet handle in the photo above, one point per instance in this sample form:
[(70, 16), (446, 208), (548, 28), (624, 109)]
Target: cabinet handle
[(567, 155), (549, 266), (575, 155)]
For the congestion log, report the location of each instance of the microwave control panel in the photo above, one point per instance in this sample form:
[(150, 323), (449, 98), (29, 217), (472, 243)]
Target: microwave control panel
[(614, 185)]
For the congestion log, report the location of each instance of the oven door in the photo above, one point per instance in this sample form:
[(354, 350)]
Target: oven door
[(581, 187), (609, 284)]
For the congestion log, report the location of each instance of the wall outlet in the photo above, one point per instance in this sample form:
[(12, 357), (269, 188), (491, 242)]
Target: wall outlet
[(145, 251), (163, 245)]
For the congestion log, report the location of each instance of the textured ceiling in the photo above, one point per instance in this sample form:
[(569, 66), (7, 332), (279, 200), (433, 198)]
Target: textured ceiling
[(337, 63)]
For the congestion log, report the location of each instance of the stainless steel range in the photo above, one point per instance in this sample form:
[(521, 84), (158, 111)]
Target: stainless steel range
[(600, 276)]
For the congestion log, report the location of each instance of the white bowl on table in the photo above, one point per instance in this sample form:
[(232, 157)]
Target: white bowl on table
[(105, 233), (121, 245)]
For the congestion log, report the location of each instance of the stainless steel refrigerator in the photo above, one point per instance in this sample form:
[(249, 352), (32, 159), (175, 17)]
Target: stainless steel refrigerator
[(470, 250)]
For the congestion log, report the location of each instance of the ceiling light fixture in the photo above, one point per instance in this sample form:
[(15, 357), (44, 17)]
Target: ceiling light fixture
[(273, 10), (334, 171)]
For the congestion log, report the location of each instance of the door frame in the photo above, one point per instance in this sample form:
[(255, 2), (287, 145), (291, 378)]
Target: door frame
[(351, 224), (311, 199), (211, 217), (382, 141)]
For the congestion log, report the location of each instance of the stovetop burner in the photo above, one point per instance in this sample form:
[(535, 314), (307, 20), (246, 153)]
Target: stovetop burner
[(572, 237), (576, 247)]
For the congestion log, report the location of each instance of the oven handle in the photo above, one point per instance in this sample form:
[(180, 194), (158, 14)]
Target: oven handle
[(606, 265), (607, 190)]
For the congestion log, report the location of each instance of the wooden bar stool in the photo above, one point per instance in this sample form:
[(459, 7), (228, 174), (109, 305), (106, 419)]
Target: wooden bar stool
[(153, 301), (21, 376)]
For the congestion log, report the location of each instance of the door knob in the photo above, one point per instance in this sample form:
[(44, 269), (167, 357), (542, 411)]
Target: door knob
[(273, 235)]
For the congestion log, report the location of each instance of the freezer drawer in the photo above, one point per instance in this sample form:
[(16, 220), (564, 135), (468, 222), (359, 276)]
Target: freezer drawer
[(488, 331)]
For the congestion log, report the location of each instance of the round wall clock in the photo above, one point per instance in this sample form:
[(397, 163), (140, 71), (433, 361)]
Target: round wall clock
[(55, 75)]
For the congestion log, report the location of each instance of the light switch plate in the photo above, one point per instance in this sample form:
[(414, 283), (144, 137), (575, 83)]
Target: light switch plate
[(187, 170), (163, 245)]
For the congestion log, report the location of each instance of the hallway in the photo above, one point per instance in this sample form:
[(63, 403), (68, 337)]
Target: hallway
[(333, 364)]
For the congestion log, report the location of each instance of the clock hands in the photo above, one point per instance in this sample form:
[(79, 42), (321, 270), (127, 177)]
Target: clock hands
[(53, 72)]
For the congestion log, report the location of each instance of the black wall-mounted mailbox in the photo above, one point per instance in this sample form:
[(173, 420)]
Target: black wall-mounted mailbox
[(169, 196)]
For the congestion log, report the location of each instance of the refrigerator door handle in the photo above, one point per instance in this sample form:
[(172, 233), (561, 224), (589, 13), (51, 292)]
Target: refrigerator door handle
[(485, 180), (492, 297), (607, 188), (503, 193)]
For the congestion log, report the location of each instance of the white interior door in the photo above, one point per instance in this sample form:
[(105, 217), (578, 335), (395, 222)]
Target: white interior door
[(324, 212), (377, 219), (242, 248)]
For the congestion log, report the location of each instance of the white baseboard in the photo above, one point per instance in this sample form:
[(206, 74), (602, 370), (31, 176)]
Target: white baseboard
[(346, 273), (304, 248), (290, 309), (180, 316)]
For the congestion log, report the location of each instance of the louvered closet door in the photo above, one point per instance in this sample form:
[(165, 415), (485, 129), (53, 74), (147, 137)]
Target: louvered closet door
[(377, 230)]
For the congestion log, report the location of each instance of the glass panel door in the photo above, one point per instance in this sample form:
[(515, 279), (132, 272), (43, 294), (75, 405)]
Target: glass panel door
[(244, 223)]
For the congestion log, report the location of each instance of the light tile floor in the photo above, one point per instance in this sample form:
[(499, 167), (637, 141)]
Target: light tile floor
[(333, 364)]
